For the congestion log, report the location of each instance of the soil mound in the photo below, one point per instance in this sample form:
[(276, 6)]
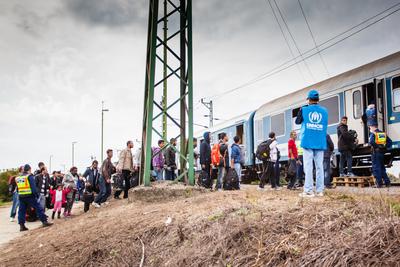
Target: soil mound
[(238, 228)]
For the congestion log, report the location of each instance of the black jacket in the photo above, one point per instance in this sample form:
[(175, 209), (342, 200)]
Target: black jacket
[(345, 140), (170, 158), (205, 152), (39, 183), (330, 147)]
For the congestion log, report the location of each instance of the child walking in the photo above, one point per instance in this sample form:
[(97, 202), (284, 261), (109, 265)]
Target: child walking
[(88, 196), (58, 198)]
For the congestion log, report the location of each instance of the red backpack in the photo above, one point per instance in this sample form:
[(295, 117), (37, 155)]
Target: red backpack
[(215, 155)]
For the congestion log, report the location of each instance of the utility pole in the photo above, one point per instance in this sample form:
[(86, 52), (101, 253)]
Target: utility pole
[(102, 129), (182, 72), (73, 153), (209, 106), (50, 163), (165, 73)]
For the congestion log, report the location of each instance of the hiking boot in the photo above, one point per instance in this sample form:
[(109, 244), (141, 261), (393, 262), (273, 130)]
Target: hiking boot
[(46, 224), (22, 228), (306, 194)]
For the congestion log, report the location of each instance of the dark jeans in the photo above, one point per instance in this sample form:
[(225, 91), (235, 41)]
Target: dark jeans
[(346, 157), (268, 173), (277, 173), (300, 171), (170, 174), (69, 204), (126, 176), (327, 172), (105, 191), (31, 201), (378, 168)]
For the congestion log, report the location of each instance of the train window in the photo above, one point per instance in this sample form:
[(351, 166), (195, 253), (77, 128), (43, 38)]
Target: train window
[(259, 131), (278, 124), (357, 109), (332, 104), (294, 116), (396, 93)]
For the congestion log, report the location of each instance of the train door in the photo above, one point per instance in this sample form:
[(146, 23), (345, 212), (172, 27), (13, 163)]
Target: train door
[(240, 133), (380, 104), (354, 111)]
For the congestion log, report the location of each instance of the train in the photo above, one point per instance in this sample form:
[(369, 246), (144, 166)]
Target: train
[(347, 94)]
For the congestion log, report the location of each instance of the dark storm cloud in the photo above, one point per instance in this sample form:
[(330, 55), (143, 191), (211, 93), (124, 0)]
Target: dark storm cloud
[(109, 13)]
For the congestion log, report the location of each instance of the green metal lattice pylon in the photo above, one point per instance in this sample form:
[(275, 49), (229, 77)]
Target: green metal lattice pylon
[(183, 74)]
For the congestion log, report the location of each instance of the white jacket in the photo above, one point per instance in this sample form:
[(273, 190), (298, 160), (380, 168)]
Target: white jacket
[(273, 151)]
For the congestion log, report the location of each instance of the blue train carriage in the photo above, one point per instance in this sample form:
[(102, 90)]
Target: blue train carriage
[(241, 126), (347, 94)]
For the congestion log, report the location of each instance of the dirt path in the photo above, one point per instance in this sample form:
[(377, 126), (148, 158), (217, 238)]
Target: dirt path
[(10, 230)]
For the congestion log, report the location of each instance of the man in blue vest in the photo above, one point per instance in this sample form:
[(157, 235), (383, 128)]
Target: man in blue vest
[(314, 122), (28, 196)]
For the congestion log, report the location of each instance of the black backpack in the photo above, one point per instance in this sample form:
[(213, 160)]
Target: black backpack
[(204, 179), (353, 136), (263, 152), (231, 180)]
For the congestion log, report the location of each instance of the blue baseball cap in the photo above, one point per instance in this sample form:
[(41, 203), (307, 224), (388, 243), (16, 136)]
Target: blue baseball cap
[(313, 95)]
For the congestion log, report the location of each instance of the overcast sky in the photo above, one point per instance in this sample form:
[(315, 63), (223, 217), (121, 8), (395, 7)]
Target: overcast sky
[(60, 58)]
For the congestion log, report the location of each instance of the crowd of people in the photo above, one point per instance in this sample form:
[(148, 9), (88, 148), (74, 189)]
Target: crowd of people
[(309, 158), (34, 192)]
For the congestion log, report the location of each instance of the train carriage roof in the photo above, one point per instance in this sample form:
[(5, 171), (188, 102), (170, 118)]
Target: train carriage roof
[(369, 71)]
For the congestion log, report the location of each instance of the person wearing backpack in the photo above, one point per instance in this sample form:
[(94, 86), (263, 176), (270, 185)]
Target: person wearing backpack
[(345, 147), (223, 155), (236, 157), (314, 123), (205, 156), (379, 142), (267, 152)]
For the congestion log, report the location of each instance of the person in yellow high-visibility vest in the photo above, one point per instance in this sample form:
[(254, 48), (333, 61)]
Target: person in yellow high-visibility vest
[(28, 196)]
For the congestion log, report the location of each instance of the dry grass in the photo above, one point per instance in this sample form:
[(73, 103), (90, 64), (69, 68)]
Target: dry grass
[(246, 228)]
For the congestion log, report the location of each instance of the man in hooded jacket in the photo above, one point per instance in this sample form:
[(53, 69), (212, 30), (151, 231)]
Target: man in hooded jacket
[(205, 153)]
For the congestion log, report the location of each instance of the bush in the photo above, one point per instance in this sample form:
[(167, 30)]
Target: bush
[(4, 176)]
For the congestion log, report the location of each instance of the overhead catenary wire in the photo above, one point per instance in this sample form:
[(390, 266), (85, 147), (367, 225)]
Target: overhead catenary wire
[(285, 38), (313, 37), (294, 41), (283, 66)]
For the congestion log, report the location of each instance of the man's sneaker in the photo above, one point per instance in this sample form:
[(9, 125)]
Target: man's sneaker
[(306, 194), (320, 194), (22, 228), (342, 175), (277, 188), (46, 224), (11, 219), (260, 188), (106, 203), (350, 174), (96, 205)]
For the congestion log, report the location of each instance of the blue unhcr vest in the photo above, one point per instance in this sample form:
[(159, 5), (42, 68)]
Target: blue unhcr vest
[(314, 127)]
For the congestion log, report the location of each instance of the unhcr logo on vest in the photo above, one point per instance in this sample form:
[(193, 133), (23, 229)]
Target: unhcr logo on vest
[(314, 119)]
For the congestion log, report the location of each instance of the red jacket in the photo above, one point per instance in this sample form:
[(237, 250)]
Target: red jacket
[(293, 148), (64, 195)]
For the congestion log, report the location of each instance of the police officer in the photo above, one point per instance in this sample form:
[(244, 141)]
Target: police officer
[(380, 142), (314, 122), (28, 196)]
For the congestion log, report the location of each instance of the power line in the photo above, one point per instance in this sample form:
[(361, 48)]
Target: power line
[(283, 66), (294, 41), (313, 38), (286, 40)]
